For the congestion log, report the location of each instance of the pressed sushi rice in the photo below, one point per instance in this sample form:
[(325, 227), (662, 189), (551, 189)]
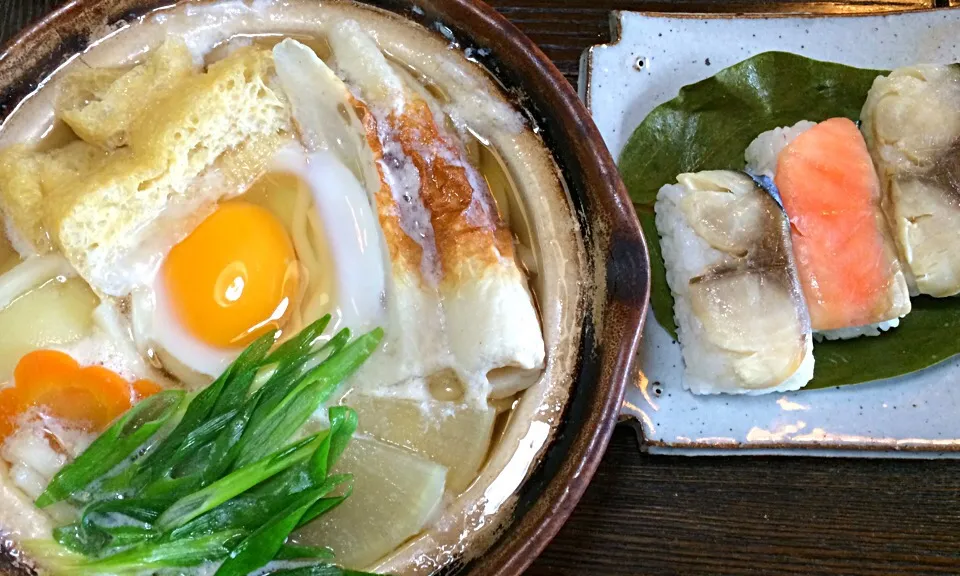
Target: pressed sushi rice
[(763, 156), (762, 153), (741, 320), (911, 122)]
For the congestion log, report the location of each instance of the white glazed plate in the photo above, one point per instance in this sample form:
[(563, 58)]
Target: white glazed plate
[(651, 58)]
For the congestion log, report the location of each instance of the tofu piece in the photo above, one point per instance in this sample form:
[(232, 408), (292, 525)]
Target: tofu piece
[(101, 104), (21, 198), (95, 220), (25, 174)]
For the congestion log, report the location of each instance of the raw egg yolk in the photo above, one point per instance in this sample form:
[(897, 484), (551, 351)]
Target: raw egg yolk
[(234, 278), (90, 397)]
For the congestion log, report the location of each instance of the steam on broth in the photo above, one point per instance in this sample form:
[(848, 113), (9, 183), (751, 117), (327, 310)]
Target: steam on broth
[(337, 236)]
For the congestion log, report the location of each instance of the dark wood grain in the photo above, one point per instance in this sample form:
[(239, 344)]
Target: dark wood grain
[(659, 515), (675, 515)]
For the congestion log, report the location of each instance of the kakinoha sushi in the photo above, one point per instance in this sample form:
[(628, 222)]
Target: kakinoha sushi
[(846, 259), (741, 318), (911, 122), (826, 234)]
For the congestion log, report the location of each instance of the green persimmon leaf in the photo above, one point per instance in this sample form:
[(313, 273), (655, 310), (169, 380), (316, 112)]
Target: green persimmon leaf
[(709, 125)]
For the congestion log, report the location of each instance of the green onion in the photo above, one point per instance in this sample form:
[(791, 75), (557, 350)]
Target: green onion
[(144, 512), (79, 539), (123, 537), (262, 545), (324, 505), (52, 556), (210, 411), (207, 463), (343, 424), (121, 484), (188, 450), (171, 489), (255, 353), (113, 446), (317, 570), (289, 378), (296, 407), (189, 507), (202, 481), (205, 433), (178, 554), (247, 511), (111, 524), (299, 345), (244, 370), (161, 460), (205, 406), (226, 446), (298, 552)]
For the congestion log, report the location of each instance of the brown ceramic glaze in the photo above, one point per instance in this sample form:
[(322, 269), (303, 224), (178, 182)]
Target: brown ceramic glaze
[(615, 245)]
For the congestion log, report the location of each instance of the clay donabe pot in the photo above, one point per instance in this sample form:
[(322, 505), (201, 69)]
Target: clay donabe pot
[(615, 272)]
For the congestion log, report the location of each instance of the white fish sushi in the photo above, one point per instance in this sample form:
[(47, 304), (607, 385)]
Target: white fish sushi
[(911, 122), (741, 317)]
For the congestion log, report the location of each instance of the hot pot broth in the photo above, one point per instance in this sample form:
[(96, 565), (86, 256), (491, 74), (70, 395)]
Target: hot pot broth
[(443, 442)]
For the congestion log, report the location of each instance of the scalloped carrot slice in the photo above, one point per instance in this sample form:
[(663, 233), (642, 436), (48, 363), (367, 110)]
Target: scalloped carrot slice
[(44, 364), (52, 381), (144, 389), (11, 406), (87, 397)]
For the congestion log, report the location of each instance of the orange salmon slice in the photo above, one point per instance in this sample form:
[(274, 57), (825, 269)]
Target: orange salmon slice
[(831, 193)]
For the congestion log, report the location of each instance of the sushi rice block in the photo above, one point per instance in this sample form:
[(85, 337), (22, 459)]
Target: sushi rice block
[(847, 261), (911, 122), (762, 153), (741, 320)]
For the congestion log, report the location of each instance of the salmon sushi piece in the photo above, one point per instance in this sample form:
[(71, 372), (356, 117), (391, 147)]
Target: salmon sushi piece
[(846, 259)]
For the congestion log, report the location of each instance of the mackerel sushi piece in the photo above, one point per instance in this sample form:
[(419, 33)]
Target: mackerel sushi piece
[(911, 122), (741, 319), (851, 277)]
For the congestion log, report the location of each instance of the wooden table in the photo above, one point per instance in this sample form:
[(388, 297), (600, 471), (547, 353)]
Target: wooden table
[(671, 515)]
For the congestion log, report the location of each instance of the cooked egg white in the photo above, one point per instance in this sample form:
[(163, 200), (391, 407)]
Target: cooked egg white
[(339, 268), (351, 235)]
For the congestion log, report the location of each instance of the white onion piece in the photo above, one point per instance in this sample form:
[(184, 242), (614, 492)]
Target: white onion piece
[(322, 109), (30, 274)]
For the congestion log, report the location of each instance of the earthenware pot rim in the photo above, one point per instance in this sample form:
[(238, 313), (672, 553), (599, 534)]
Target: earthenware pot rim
[(624, 271)]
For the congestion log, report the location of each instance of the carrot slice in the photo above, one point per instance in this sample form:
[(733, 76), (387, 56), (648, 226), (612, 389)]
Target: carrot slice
[(42, 365), (144, 389), (11, 406), (53, 382)]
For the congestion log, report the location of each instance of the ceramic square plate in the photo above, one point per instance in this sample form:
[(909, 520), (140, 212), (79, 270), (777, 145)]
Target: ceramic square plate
[(652, 56)]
